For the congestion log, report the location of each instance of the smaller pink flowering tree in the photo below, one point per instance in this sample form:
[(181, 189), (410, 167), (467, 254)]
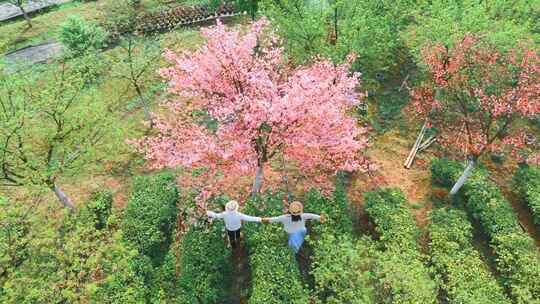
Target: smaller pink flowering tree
[(241, 112), (478, 98)]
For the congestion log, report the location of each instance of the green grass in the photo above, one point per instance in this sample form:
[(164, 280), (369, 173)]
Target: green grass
[(16, 34), (45, 25)]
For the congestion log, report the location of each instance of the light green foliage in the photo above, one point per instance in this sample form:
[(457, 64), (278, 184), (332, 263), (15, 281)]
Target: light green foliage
[(527, 186), (518, 261), (150, 215), (465, 277), (80, 36), (400, 272), (52, 123), (62, 259), (341, 267), (275, 275), (368, 28), (393, 219), (501, 23), (205, 267), (336, 209), (98, 209), (15, 235)]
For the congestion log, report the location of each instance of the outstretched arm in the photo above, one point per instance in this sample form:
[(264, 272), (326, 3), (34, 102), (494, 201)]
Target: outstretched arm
[(249, 218), (214, 215), (311, 216), (276, 219)]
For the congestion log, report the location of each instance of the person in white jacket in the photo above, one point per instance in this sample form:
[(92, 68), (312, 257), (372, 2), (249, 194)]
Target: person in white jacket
[(233, 221), (294, 224)]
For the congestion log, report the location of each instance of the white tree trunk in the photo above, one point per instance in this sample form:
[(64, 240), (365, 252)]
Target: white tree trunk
[(62, 197), (257, 183), (464, 176)]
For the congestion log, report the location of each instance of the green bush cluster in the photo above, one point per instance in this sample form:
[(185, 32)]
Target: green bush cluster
[(275, 275), (336, 210), (527, 187), (63, 259), (98, 209), (80, 36), (341, 267), (400, 272), (517, 258), (465, 277), (205, 264), (150, 215)]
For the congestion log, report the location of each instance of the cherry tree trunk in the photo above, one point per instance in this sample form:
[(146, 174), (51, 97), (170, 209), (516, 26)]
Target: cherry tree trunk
[(146, 107), (257, 183), (464, 176), (62, 197)]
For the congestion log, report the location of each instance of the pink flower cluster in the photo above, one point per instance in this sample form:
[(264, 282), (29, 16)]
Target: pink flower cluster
[(265, 113), (476, 96)]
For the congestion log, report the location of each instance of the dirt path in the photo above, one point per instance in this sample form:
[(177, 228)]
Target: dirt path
[(241, 277), (390, 151)]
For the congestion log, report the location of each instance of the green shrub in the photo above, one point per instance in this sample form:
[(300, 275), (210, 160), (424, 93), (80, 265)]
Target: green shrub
[(400, 272), (402, 277), (394, 221), (205, 264), (336, 210), (79, 36), (150, 215), (122, 283), (98, 208), (485, 202), (342, 269), (527, 187), (444, 171), (275, 275), (465, 277), (518, 262)]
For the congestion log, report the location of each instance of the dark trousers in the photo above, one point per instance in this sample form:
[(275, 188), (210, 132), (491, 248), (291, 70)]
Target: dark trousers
[(234, 237)]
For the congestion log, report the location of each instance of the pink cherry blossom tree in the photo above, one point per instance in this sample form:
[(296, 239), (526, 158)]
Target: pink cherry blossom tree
[(241, 112), (478, 98)]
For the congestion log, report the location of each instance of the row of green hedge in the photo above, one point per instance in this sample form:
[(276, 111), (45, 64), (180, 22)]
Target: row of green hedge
[(150, 215), (341, 267), (465, 277), (517, 257), (402, 276), (527, 185), (205, 264), (195, 271), (274, 270)]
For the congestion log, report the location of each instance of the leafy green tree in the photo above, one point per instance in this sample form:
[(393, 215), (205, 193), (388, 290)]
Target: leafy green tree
[(501, 23), (80, 36), (51, 125), (339, 27), (138, 62)]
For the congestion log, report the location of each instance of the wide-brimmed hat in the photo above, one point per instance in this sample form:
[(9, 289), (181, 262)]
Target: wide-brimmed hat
[(296, 208), (231, 206)]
